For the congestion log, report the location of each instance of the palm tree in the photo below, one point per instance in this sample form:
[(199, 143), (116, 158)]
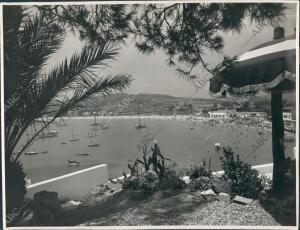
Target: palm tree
[(28, 42)]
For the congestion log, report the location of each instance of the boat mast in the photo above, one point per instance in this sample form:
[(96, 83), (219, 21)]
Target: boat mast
[(91, 136), (73, 135), (139, 115)]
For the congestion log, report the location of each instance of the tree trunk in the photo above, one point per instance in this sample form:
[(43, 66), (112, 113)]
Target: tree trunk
[(277, 141)]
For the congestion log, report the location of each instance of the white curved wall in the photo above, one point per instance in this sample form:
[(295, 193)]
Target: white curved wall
[(73, 185)]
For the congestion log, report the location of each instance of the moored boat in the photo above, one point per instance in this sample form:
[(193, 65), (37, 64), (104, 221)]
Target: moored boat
[(31, 153), (91, 135), (73, 136), (73, 163), (139, 126), (81, 154), (217, 146), (93, 145), (103, 126), (48, 134)]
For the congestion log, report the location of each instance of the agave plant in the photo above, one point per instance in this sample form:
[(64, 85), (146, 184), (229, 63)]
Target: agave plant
[(156, 159), (29, 40)]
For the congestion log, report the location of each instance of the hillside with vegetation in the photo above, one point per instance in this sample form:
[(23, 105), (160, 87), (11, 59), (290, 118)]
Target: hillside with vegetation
[(160, 104)]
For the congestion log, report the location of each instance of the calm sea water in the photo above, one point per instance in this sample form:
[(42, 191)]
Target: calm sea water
[(178, 140)]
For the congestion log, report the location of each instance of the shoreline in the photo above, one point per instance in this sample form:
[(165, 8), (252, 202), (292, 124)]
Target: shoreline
[(267, 125), (154, 117)]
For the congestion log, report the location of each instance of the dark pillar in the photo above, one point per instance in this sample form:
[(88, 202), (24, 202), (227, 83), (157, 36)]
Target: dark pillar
[(277, 141), (277, 131)]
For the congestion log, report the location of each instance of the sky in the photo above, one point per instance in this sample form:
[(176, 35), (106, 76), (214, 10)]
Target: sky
[(152, 75)]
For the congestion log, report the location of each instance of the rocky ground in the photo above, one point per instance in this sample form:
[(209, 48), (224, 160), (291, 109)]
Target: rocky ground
[(109, 205), (187, 208)]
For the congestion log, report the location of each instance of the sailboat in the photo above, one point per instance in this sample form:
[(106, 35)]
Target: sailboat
[(91, 144), (103, 125), (73, 163), (48, 134), (81, 154), (61, 123), (217, 146), (95, 123), (91, 133), (30, 152), (27, 149), (99, 125), (73, 136), (140, 126)]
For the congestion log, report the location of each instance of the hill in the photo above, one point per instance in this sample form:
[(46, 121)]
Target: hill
[(124, 103)]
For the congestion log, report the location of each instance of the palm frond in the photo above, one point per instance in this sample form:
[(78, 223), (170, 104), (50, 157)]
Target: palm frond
[(78, 75), (105, 85), (13, 16), (58, 107), (38, 39), (29, 41)]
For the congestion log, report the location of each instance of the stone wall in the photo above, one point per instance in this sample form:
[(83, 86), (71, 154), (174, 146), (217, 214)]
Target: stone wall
[(73, 185)]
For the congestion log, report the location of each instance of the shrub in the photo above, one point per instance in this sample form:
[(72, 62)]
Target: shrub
[(290, 176), (131, 183), (171, 181), (244, 180), (148, 187), (201, 183), (149, 182), (266, 182), (199, 170), (15, 185), (159, 172)]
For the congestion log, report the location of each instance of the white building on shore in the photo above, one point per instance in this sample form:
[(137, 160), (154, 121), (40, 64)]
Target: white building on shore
[(221, 114), (287, 116), (226, 114), (251, 114)]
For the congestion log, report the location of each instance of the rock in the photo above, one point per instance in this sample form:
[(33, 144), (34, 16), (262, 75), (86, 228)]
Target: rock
[(263, 194), (43, 217), (243, 200), (224, 197), (186, 179), (46, 207), (48, 200), (201, 183), (120, 180), (204, 179), (171, 181), (208, 192), (73, 202), (220, 185), (26, 219), (70, 204)]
